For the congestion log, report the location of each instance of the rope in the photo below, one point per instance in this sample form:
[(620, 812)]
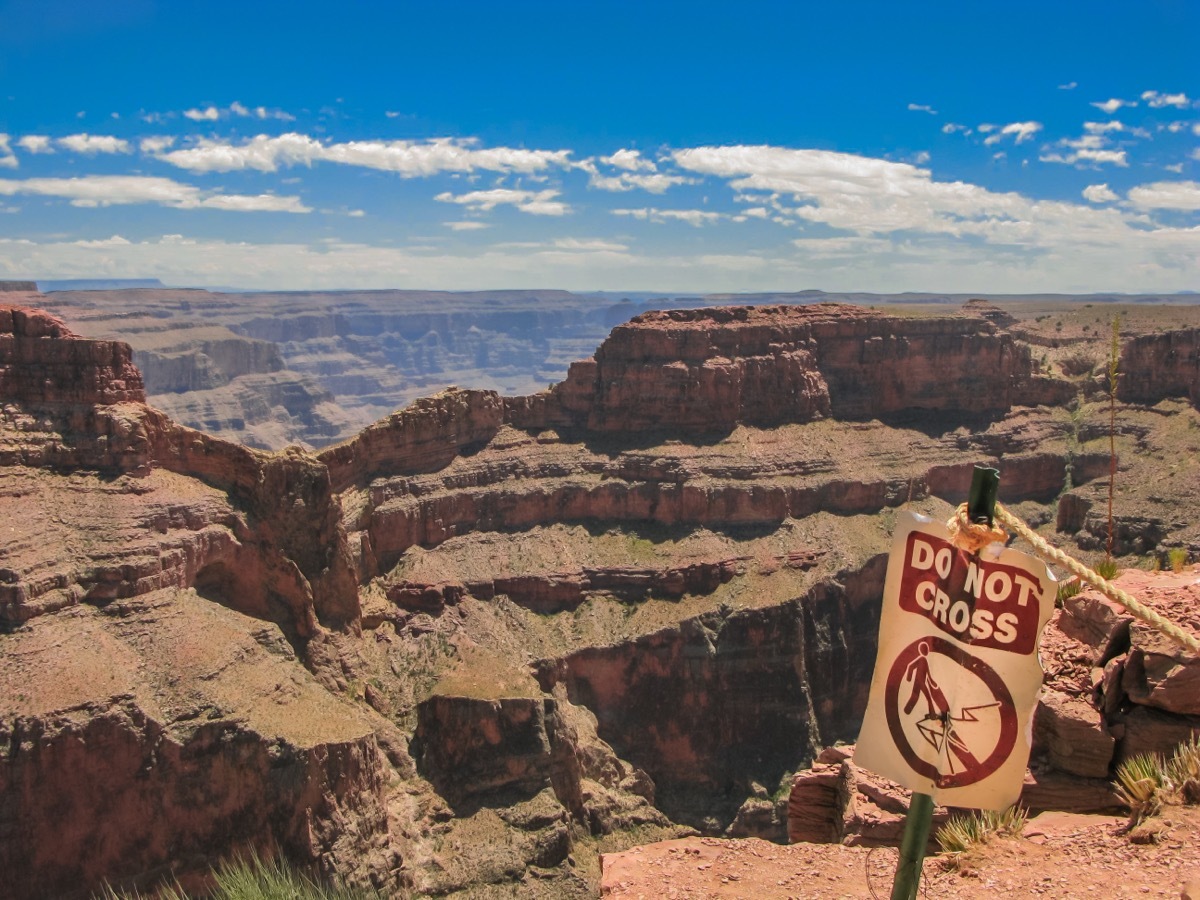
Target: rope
[(972, 538)]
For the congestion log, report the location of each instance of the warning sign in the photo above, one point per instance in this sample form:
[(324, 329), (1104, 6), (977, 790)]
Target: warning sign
[(957, 674)]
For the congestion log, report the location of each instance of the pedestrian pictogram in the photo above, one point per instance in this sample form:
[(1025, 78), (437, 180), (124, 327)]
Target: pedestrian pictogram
[(970, 737), (957, 674)]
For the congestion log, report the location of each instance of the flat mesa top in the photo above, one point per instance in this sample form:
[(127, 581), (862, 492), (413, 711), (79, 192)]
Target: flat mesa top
[(754, 315)]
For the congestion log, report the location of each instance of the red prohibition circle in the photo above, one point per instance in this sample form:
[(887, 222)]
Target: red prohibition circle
[(981, 670)]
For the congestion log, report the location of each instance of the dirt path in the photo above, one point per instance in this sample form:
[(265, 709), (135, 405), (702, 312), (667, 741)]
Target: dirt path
[(1062, 856)]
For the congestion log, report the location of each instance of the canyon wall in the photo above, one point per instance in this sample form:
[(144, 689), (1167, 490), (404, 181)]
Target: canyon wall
[(450, 651), (1161, 365)]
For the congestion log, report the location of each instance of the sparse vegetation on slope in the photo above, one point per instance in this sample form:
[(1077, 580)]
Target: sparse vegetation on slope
[(255, 879)]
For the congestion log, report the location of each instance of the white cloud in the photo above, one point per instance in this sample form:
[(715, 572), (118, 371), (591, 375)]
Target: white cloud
[(119, 190), (657, 183), (214, 113), (208, 114), (1177, 168), (410, 159), (1023, 131), (693, 217), (1112, 105), (1069, 86), (1182, 195), (1086, 155), (538, 203), (629, 160), (873, 197), (1091, 250), (1099, 193), (921, 107), (93, 143), (921, 158), (7, 160), (589, 245), (987, 128), (952, 128), (466, 226), (1158, 101), (1103, 127), (35, 143), (156, 144)]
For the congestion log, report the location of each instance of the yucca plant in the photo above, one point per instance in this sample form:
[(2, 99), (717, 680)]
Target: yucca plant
[(1140, 784), (1106, 569), (1182, 770), (964, 831)]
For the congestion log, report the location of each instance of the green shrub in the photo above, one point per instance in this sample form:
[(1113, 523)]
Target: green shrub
[(1106, 569), (962, 832), (1178, 558)]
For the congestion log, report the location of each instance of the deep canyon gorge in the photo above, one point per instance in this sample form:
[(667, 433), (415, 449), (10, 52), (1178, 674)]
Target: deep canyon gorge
[(462, 647)]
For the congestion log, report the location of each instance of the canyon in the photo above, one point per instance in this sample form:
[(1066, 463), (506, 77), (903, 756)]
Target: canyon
[(472, 643)]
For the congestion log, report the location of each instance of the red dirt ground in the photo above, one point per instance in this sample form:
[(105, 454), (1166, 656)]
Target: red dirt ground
[(1062, 855)]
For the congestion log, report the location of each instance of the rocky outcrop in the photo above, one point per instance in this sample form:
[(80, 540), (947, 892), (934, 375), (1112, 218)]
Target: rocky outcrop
[(43, 362), (205, 364), (1161, 365), (730, 698), (423, 437), (477, 749), (555, 591), (141, 742), (706, 370)]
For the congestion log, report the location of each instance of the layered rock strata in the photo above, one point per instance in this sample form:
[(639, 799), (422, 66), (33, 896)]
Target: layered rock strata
[(682, 542), (1161, 365)]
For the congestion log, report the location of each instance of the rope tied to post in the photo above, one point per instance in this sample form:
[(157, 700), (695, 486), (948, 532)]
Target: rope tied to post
[(973, 537)]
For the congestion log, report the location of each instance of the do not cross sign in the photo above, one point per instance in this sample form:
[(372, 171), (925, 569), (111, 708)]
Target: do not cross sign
[(957, 674)]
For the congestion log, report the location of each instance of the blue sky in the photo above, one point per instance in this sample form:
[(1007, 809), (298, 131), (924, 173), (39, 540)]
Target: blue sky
[(998, 147)]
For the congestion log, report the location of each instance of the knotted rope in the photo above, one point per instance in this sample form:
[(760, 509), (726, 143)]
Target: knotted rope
[(971, 537)]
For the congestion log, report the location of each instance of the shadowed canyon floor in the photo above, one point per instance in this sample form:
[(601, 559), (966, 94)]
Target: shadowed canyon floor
[(488, 638)]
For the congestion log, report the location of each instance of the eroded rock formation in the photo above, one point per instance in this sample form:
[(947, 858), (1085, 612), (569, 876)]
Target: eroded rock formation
[(491, 634)]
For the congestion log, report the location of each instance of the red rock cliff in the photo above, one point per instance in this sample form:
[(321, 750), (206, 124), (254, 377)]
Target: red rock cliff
[(709, 369), (42, 361), (1161, 365)]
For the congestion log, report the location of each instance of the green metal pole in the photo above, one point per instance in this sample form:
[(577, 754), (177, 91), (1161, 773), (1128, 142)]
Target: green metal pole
[(981, 500), (912, 847), (981, 506)]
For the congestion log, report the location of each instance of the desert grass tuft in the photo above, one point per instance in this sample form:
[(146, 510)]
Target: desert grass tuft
[(1106, 569), (1067, 590), (254, 879), (962, 832), (1177, 557)]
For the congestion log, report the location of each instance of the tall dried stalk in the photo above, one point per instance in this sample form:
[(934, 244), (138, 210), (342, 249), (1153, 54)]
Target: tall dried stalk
[(1114, 360)]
